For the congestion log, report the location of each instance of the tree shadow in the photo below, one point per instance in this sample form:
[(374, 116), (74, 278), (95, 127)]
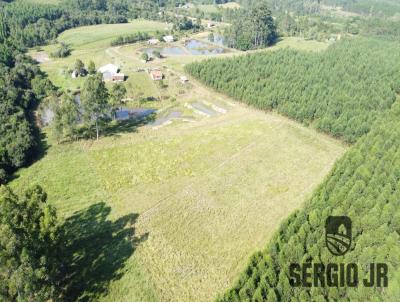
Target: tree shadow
[(96, 250), (128, 125)]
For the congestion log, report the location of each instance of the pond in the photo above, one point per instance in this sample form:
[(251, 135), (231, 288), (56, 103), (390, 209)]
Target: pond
[(192, 46), (220, 40), (136, 113), (196, 47)]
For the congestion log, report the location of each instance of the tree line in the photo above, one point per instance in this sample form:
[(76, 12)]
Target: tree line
[(363, 185), (340, 91)]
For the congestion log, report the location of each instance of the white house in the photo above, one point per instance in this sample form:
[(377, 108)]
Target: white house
[(111, 68), (168, 39), (110, 73)]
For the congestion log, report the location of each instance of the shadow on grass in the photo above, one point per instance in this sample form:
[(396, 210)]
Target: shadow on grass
[(96, 251), (116, 127), (129, 125)]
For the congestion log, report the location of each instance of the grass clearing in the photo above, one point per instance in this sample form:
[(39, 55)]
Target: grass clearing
[(207, 194)]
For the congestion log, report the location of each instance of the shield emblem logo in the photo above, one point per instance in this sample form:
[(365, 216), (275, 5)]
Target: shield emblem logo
[(338, 234)]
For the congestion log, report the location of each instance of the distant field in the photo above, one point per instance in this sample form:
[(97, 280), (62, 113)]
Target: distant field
[(87, 37), (93, 43)]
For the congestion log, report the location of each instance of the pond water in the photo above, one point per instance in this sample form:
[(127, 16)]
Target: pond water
[(194, 47), (136, 113), (219, 40)]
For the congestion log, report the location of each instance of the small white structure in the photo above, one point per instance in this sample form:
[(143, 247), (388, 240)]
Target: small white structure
[(184, 79), (210, 24), (74, 74), (153, 41), (108, 68), (168, 39)]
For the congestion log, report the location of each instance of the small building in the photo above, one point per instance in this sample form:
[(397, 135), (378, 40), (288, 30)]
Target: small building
[(109, 68), (153, 41), (210, 24), (168, 39), (74, 74), (118, 77), (156, 75), (184, 79)]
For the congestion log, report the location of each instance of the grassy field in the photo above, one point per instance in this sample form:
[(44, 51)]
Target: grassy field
[(185, 204), (206, 195)]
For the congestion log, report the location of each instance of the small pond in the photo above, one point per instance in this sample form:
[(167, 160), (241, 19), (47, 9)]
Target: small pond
[(137, 113), (194, 47)]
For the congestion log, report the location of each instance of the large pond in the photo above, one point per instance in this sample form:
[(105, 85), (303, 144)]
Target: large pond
[(194, 47)]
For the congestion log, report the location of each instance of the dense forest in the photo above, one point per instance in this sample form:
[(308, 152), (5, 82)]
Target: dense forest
[(341, 91), (363, 185), (22, 85)]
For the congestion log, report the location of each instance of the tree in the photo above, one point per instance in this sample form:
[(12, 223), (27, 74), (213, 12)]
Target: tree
[(79, 67), (94, 99), (29, 246), (144, 56), (157, 53), (118, 92), (66, 115), (91, 68)]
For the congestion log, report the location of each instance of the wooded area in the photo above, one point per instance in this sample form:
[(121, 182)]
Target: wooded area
[(365, 186), (341, 91)]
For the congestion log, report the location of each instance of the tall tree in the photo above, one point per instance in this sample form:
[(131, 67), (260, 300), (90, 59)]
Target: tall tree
[(29, 246), (118, 92), (91, 68), (66, 115), (94, 98), (79, 67)]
